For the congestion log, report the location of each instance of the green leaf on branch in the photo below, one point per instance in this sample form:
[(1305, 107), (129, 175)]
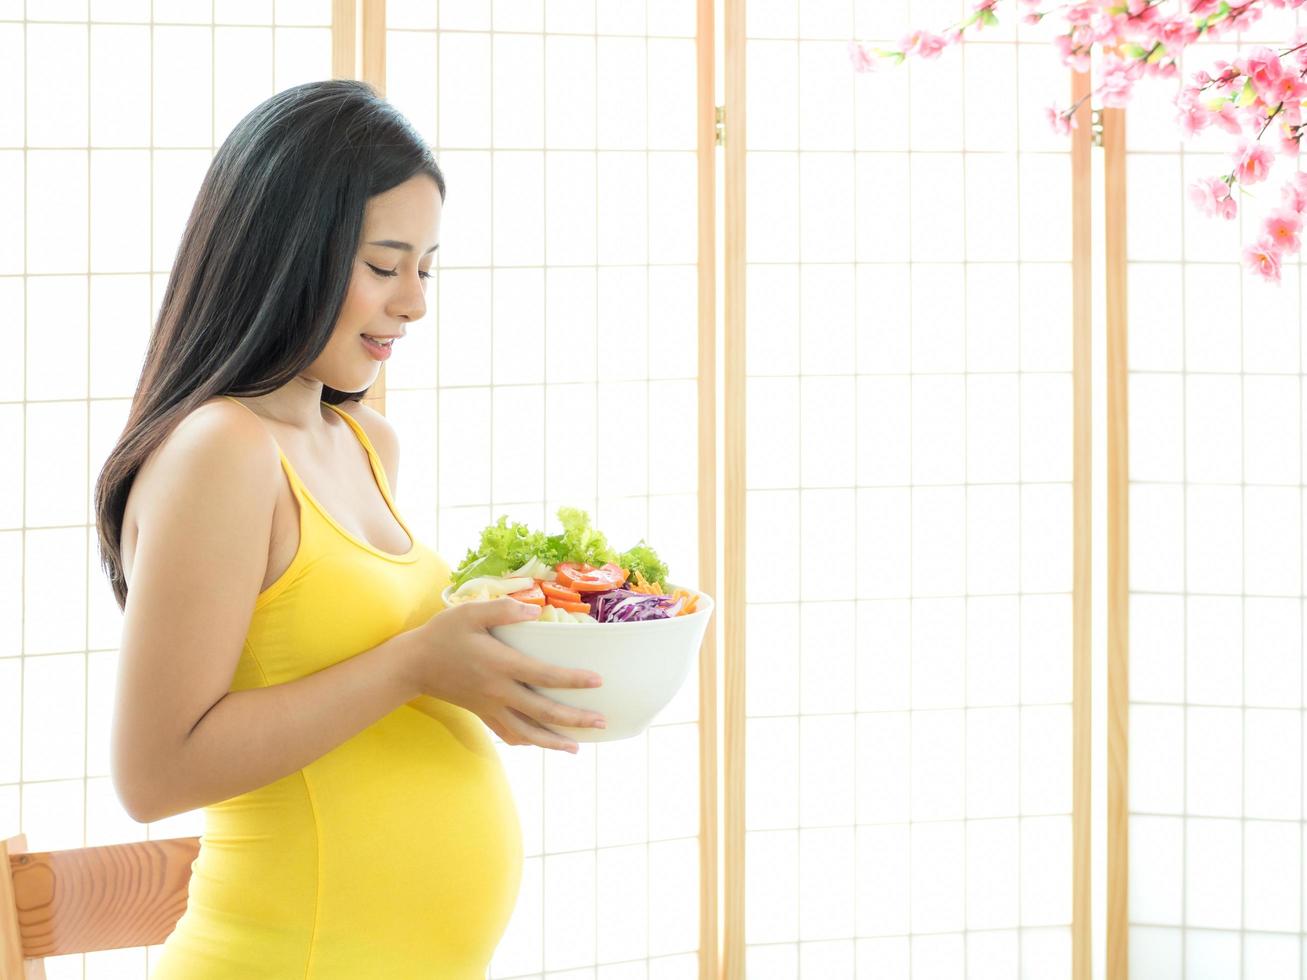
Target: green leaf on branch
[(1247, 96), (990, 18), (1133, 50)]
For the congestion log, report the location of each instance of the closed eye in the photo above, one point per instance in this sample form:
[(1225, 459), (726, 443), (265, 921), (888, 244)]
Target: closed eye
[(387, 273)]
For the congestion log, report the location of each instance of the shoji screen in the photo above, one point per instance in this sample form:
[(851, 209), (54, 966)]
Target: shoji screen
[(557, 366), (1215, 564), (108, 118), (909, 495)]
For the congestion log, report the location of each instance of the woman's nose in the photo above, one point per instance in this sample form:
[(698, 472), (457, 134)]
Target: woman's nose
[(411, 303)]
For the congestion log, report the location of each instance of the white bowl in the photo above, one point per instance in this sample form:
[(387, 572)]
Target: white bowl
[(643, 664)]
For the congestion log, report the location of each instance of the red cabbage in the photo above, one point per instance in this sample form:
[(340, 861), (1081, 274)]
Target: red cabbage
[(626, 606)]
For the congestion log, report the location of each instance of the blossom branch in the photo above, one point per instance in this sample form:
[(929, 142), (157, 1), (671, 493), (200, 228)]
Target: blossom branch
[(1138, 39)]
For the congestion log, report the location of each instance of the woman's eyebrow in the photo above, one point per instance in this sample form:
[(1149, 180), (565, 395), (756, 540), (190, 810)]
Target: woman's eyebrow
[(404, 246)]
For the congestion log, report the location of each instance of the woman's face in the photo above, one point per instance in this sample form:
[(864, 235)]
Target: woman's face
[(401, 230)]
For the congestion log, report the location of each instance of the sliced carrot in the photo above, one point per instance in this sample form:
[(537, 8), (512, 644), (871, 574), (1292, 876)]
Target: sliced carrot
[(643, 586), (559, 592), (579, 607)]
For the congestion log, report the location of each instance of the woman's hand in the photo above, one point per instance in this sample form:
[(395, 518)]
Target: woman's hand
[(456, 659)]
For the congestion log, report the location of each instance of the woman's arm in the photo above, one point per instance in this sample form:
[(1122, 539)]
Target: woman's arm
[(255, 737), (180, 740)]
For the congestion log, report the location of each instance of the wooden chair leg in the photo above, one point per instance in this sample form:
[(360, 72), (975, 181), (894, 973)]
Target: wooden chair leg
[(13, 965)]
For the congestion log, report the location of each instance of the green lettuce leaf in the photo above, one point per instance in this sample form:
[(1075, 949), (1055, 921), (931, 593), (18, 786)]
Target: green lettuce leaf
[(505, 547), (644, 559), (582, 543)]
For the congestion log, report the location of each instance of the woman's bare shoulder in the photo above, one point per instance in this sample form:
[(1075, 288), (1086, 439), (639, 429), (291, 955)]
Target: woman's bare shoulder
[(217, 436)]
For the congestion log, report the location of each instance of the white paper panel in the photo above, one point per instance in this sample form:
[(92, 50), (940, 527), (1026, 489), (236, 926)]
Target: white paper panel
[(909, 507), (1216, 450), (561, 370)]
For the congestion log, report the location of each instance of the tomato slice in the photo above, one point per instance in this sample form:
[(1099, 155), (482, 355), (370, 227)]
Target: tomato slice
[(553, 591), (567, 569), (620, 573), (570, 606), (533, 595), (587, 578)]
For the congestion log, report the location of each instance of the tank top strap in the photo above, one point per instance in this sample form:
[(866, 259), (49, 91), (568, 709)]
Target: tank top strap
[(296, 484), (378, 469)]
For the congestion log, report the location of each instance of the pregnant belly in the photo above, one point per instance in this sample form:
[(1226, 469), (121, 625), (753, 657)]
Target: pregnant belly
[(403, 841)]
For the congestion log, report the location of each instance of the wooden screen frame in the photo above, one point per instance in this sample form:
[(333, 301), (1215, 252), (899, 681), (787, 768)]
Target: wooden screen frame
[(1083, 547), (1118, 550)]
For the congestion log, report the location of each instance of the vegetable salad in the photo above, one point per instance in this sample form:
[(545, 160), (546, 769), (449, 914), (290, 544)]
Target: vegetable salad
[(574, 575)]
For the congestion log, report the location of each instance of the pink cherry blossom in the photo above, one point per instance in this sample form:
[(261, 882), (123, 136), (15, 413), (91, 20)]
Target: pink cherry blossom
[(1286, 88), (1294, 192), (1282, 227), (1242, 15), (1059, 121), (1176, 33), (1192, 121), (923, 43), (1142, 11), (1117, 83), (1228, 119), (1081, 13), (1252, 162), (861, 57), (1206, 192), (1072, 58), (1287, 141), (1263, 259), (1226, 75), (1264, 69)]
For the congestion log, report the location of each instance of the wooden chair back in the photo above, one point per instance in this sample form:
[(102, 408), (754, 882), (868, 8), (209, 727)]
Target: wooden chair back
[(87, 899)]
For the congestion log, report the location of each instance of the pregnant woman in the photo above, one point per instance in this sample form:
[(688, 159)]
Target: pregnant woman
[(286, 663)]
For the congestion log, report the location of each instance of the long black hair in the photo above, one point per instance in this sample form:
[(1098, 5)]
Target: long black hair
[(262, 268)]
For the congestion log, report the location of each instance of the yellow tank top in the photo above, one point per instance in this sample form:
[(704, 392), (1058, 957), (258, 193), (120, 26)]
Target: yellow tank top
[(396, 855)]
